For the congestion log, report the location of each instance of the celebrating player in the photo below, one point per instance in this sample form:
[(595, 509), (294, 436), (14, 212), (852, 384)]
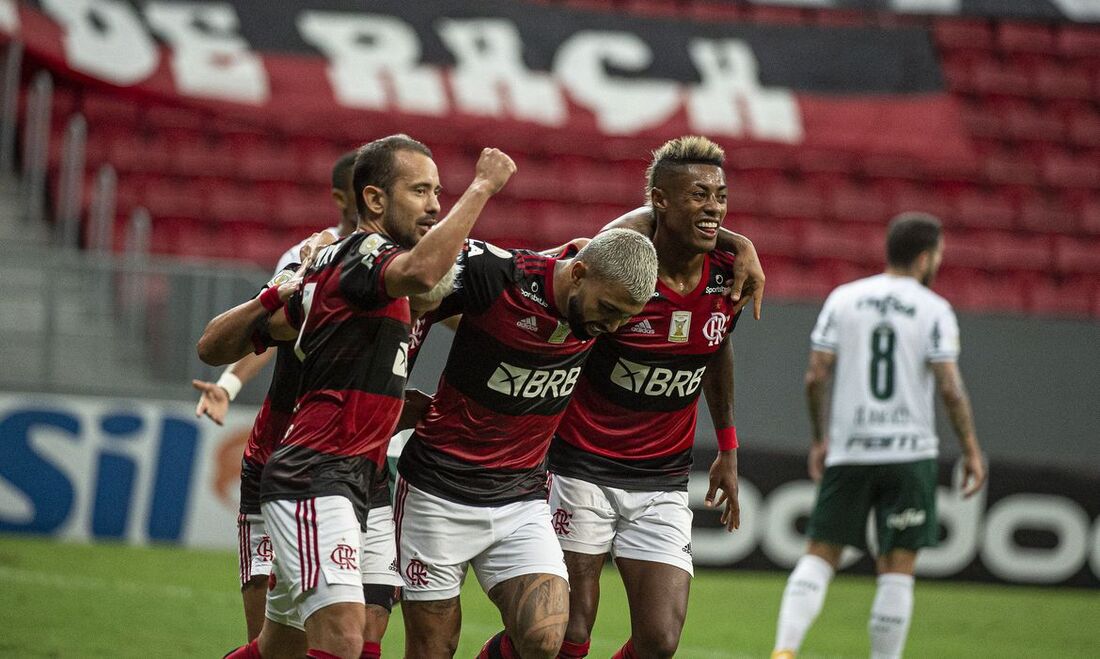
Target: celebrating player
[(471, 488), (354, 320), (621, 457), (887, 342)]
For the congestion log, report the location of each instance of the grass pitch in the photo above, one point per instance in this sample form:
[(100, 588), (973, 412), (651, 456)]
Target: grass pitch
[(68, 600)]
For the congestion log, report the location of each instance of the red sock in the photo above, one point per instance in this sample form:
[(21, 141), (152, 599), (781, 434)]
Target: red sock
[(371, 650), (571, 650), (250, 651), (498, 647), (320, 654), (626, 651)]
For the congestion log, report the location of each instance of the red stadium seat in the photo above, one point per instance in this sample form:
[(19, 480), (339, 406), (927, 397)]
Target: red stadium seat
[(1067, 171), (1053, 81), (1077, 255), (1025, 37), (788, 199), (1089, 210), (983, 209), (1072, 297), (924, 200), (990, 76), (960, 34), (859, 204), (173, 198), (1047, 215), (1078, 41), (1084, 127), (853, 243)]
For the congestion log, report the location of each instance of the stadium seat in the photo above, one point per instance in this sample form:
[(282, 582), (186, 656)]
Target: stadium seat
[(982, 209), (1078, 41), (1067, 171), (1089, 210), (958, 34), (1071, 297), (1048, 215), (790, 199), (1077, 255), (990, 76), (856, 244), (1084, 128), (1053, 81), (1021, 37), (857, 203)]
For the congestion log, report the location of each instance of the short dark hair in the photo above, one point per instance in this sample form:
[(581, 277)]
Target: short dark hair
[(375, 164), (681, 152), (910, 234), (341, 171)]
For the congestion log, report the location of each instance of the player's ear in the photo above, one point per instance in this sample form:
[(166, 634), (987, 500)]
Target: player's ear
[(340, 198), (657, 198), (577, 272), (375, 199)]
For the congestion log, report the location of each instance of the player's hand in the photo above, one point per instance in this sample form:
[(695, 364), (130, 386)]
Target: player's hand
[(315, 244), (416, 406), (816, 462), (214, 401), (973, 474), (723, 476), (494, 168), (748, 281)]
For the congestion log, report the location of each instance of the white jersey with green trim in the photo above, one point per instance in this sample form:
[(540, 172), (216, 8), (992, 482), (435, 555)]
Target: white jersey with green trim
[(885, 331)]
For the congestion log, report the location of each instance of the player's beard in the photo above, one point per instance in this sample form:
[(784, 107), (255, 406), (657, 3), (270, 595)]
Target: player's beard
[(402, 233), (575, 319)]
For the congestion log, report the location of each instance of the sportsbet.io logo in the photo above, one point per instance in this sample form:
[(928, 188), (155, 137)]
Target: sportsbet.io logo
[(519, 382), (654, 380)]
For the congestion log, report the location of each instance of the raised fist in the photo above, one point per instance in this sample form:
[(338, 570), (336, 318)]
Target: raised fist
[(494, 168)]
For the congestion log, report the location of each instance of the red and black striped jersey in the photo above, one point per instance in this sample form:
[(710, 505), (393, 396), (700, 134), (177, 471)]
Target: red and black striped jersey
[(353, 344), (631, 423), (512, 367)]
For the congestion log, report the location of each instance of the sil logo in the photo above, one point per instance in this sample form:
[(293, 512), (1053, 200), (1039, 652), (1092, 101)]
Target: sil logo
[(416, 573), (344, 557), (560, 520)]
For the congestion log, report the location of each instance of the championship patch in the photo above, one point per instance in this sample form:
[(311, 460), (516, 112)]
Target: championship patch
[(280, 279), (561, 332), (370, 248), (679, 327)]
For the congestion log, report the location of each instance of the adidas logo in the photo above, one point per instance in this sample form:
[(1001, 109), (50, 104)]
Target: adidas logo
[(530, 323), (643, 328)]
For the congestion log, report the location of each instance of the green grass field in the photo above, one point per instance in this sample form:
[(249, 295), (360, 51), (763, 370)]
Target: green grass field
[(69, 600)]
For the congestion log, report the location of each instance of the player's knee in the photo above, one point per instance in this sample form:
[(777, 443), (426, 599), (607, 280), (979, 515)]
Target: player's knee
[(658, 642)]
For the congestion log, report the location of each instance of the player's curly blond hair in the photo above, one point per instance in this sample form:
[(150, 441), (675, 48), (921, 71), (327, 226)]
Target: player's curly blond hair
[(686, 150)]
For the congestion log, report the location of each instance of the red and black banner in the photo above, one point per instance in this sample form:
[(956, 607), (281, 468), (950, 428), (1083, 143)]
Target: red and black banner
[(447, 67), (1083, 11)]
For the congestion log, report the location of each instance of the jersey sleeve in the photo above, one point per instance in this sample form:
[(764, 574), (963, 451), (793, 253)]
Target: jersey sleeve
[(943, 337), (363, 264), (825, 333), (484, 271)]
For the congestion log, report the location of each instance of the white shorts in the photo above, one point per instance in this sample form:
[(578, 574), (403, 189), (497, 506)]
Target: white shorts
[(317, 542), (253, 547), (647, 526), (379, 547), (437, 539)]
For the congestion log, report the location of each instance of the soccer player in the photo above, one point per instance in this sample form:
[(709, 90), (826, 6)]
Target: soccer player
[(622, 454), (254, 545), (883, 345), (471, 487), (353, 316)]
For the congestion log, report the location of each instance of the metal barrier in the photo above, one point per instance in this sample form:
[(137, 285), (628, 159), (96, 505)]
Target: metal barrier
[(120, 326)]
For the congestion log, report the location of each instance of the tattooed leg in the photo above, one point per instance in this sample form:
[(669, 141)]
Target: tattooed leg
[(432, 628), (535, 610)]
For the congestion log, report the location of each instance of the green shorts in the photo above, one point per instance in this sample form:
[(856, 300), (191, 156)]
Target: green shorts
[(903, 496)]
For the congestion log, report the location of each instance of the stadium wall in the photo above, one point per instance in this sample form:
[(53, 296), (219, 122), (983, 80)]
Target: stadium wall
[(98, 469)]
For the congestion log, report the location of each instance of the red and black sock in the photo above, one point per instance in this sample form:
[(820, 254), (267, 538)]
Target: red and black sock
[(250, 651), (498, 647), (571, 650), (626, 651)]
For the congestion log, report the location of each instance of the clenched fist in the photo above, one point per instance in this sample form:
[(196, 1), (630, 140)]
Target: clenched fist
[(494, 168)]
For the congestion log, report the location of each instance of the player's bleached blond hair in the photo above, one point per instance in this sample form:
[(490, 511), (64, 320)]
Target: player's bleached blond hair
[(625, 257), (686, 150)]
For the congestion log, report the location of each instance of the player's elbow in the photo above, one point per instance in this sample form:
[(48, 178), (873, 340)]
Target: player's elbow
[(952, 396), (211, 351), (815, 379)]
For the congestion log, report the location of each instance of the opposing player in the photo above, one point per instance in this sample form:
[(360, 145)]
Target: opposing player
[(622, 454), (254, 545), (471, 488), (884, 345), (354, 320)]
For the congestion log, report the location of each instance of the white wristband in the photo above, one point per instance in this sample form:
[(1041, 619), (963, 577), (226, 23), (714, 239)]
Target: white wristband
[(231, 383)]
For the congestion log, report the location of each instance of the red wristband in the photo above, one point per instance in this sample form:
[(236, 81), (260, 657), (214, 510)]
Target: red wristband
[(727, 438), (270, 299)]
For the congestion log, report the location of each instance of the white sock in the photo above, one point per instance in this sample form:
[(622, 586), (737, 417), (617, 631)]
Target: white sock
[(802, 600), (890, 614)]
